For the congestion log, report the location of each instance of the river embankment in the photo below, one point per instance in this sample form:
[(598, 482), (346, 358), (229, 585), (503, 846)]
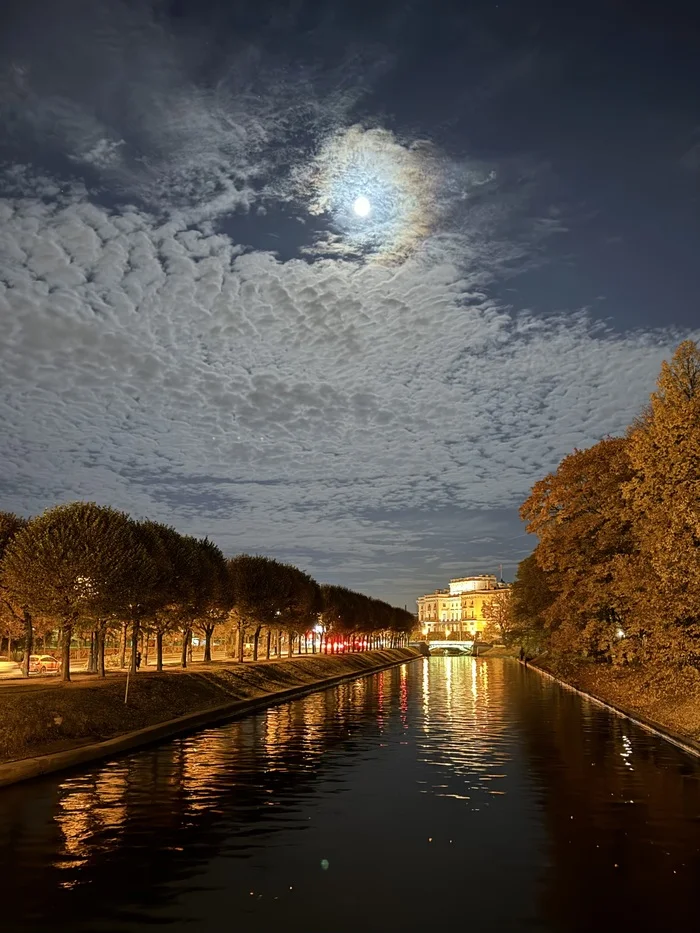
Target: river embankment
[(664, 701), (52, 726)]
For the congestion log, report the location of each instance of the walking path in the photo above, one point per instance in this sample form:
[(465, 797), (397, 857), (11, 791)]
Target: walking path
[(11, 676)]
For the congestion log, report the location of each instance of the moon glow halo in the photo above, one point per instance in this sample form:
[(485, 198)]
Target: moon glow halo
[(361, 206)]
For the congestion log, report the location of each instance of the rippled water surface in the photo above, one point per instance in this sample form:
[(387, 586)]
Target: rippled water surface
[(451, 792)]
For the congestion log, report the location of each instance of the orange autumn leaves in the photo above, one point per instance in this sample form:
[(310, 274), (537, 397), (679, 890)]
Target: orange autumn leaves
[(619, 536)]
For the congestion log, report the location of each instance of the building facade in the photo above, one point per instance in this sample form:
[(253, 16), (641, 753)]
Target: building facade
[(458, 612)]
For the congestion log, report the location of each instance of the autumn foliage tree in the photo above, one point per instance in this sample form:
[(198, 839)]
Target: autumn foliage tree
[(578, 513), (663, 495), (618, 529), (532, 595), (499, 617)]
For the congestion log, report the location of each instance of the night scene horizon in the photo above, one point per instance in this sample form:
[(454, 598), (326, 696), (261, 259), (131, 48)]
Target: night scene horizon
[(337, 283)]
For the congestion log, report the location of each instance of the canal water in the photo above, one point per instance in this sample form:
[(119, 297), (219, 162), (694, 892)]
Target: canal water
[(448, 793)]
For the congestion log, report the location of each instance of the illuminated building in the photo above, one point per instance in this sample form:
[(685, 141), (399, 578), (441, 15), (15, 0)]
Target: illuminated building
[(459, 610)]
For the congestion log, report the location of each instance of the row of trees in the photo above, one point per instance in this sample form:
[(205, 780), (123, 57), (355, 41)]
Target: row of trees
[(615, 575), (84, 569)]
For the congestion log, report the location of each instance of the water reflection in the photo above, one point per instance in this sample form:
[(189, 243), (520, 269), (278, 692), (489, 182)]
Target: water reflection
[(440, 774), (622, 811)]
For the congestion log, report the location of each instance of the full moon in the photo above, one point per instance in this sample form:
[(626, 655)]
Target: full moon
[(361, 206)]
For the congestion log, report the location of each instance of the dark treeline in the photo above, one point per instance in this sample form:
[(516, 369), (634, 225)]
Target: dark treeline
[(84, 570), (615, 576)]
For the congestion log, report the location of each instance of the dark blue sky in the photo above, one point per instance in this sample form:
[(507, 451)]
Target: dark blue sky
[(201, 328)]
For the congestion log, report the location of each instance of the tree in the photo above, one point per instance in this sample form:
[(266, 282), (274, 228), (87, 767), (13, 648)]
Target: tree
[(174, 559), (74, 562), (17, 619), (142, 592), (341, 610), (216, 588), (531, 599), (300, 602), (497, 612), (663, 496), (205, 586), (584, 528), (257, 587)]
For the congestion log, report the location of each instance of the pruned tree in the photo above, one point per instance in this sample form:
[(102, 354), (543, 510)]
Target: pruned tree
[(300, 603), (257, 586), (175, 559), (15, 618), (74, 562), (341, 611), (216, 587)]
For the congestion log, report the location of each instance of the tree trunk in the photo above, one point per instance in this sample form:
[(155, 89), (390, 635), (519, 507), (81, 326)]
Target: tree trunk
[(290, 646), (267, 646), (256, 639), (28, 642), (241, 641), (100, 634), (159, 651), (66, 632), (278, 643), (134, 645), (208, 633), (92, 657), (185, 646), (125, 632), (145, 642)]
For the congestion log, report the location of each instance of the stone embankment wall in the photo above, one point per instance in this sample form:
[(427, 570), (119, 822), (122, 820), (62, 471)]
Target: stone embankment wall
[(47, 727)]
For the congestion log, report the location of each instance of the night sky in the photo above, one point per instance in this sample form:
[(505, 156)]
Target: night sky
[(198, 326)]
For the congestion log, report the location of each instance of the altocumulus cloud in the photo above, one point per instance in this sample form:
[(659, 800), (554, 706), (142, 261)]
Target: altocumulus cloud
[(374, 421)]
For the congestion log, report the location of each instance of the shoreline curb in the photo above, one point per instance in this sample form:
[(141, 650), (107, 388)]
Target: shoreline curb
[(26, 769), (685, 743)]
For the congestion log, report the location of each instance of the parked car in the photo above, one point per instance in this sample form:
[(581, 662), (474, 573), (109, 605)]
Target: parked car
[(44, 664)]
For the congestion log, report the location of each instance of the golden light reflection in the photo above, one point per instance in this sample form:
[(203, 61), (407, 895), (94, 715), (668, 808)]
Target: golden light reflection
[(403, 695), (474, 681), (426, 695), (91, 811), (448, 684), (314, 709), (380, 700), (466, 722), (203, 756)]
